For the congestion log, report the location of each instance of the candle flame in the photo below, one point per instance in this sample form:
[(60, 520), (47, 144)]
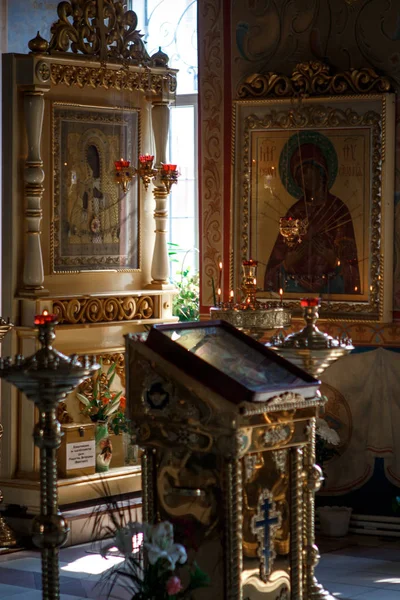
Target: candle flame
[(231, 293), (220, 265), (355, 288), (45, 312), (281, 292), (338, 263), (219, 291)]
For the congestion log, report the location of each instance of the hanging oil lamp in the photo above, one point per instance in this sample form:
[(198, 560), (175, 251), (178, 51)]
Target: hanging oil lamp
[(292, 230)]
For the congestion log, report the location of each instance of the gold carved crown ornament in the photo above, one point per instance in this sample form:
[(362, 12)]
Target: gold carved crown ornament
[(98, 28), (313, 78)]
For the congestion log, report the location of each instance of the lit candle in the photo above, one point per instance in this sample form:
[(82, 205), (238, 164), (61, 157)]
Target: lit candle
[(219, 295), (281, 295), (146, 158), (254, 281), (220, 275), (231, 297), (45, 317), (122, 164)]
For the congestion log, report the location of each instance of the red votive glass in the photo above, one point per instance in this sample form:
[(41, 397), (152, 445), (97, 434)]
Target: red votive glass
[(309, 302), (250, 262), (45, 317), (169, 168), (146, 158), (122, 164)]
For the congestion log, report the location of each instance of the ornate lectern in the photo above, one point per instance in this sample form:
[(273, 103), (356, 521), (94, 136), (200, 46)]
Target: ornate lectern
[(228, 432)]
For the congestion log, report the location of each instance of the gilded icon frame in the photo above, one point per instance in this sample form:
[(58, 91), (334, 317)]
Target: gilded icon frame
[(263, 125), (95, 223)]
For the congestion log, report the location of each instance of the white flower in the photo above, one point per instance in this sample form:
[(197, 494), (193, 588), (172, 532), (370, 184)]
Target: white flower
[(123, 539), (161, 545), (327, 433)]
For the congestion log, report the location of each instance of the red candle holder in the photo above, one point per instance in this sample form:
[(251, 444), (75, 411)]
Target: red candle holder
[(169, 175), (44, 318), (122, 164), (146, 159), (309, 302), (145, 170), (124, 173), (250, 263)]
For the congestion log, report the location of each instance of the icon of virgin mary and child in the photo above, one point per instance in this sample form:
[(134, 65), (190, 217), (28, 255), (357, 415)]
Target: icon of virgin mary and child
[(324, 259)]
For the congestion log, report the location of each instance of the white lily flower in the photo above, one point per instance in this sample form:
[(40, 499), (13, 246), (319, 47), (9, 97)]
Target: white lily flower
[(327, 433), (162, 546)]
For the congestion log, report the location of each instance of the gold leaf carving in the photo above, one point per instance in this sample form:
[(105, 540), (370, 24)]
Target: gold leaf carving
[(103, 310), (98, 29), (119, 359), (313, 79), (119, 79), (86, 387)]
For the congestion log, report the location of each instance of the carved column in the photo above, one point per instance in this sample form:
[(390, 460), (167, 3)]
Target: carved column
[(33, 276), (313, 479), (160, 262), (296, 519)]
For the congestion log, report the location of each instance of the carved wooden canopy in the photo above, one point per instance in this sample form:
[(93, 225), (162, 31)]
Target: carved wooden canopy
[(100, 29), (313, 79)]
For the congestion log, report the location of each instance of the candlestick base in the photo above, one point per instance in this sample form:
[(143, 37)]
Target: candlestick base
[(7, 537), (253, 322)]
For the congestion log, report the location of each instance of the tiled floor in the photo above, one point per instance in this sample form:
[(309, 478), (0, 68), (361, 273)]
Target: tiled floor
[(361, 567)]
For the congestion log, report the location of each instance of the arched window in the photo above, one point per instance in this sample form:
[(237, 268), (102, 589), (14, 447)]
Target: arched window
[(174, 26)]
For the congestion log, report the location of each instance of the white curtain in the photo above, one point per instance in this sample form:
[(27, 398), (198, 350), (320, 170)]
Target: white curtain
[(369, 426)]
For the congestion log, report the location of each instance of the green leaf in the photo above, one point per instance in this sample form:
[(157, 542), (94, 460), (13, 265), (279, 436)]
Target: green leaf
[(110, 381), (111, 369), (83, 399)]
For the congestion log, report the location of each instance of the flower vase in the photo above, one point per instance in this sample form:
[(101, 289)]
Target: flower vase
[(103, 447)]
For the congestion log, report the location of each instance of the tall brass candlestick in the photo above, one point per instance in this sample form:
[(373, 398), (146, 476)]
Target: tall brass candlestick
[(46, 378)]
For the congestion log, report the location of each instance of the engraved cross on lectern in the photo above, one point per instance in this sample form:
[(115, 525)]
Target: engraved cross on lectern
[(264, 526)]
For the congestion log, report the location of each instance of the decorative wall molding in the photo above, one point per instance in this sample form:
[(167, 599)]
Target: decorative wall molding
[(108, 78), (313, 78), (101, 309), (211, 70)]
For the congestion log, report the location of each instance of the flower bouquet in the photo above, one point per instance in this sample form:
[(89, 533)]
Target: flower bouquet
[(99, 401), (152, 566), (104, 407)]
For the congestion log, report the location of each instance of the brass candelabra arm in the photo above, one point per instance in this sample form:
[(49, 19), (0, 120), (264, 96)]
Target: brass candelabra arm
[(46, 378)]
